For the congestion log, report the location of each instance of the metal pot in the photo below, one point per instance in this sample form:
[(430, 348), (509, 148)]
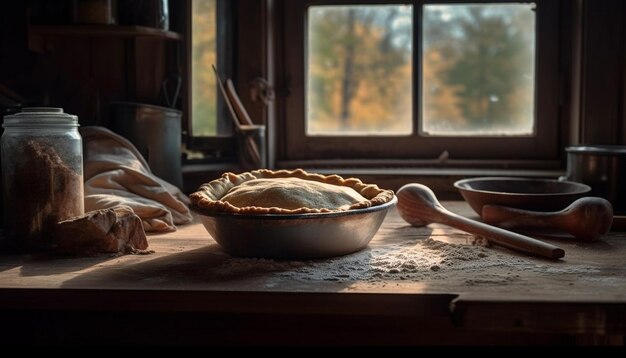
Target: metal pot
[(156, 132), (603, 167)]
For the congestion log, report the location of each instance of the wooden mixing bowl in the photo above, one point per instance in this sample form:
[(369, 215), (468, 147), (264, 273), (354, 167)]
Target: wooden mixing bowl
[(521, 193)]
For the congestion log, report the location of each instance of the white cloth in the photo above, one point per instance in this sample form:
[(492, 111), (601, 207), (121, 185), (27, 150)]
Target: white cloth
[(117, 174)]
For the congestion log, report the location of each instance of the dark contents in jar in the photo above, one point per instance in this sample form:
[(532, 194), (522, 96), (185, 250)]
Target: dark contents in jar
[(42, 191)]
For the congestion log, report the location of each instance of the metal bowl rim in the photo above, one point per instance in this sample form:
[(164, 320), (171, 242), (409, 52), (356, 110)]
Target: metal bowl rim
[(333, 214), (584, 188), (598, 149)]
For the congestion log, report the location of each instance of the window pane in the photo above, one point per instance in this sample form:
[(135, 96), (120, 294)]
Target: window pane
[(203, 84), (359, 70), (478, 69)]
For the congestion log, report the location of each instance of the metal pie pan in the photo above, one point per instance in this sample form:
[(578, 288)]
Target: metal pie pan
[(297, 236)]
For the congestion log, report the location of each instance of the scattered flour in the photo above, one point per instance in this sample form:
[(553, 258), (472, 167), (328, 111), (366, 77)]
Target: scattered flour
[(416, 260)]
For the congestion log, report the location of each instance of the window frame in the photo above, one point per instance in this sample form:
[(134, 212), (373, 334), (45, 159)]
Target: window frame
[(545, 145), (224, 141)]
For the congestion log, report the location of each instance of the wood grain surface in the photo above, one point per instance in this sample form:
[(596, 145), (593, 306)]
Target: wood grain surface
[(585, 292)]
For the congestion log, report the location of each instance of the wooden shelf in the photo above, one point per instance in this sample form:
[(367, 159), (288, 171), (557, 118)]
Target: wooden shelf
[(102, 30)]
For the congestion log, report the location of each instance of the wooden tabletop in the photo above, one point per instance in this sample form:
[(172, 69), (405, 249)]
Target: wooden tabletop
[(407, 275)]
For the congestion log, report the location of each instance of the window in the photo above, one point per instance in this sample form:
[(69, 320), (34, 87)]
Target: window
[(208, 39), (350, 49), (412, 80), (203, 55), (478, 66)]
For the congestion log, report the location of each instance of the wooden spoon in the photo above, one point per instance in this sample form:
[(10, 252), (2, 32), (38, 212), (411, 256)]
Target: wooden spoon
[(419, 206), (241, 128), (587, 218), (242, 114), (229, 105)]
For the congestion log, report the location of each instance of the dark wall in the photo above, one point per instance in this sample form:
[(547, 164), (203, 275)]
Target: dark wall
[(603, 65), (84, 74), (15, 59), (79, 69)]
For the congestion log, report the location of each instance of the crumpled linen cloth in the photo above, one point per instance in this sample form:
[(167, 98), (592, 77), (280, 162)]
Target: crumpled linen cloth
[(117, 174)]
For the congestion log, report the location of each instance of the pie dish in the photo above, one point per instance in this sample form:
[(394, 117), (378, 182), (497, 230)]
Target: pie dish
[(290, 214), (286, 192)]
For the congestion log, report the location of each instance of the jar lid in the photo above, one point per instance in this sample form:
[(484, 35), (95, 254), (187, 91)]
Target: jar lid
[(597, 149), (35, 116)]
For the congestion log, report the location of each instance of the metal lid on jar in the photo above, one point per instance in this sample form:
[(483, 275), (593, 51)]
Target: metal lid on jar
[(598, 149), (37, 116)]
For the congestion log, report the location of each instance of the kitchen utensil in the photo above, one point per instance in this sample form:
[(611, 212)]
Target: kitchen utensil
[(250, 137), (587, 218), (170, 89), (298, 236), (155, 131), (251, 144), (229, 105), (521, 193), (603, 168), (419, 206), (242, 114)]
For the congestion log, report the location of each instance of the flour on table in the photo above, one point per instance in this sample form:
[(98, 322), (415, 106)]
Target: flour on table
[(416, 260)]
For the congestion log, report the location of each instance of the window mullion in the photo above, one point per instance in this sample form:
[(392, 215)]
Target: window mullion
[(417, 67)]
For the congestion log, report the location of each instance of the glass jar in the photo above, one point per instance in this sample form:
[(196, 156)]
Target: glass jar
[(42, 175)]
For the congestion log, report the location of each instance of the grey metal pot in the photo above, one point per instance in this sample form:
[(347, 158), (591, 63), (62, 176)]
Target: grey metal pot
[(156, 132), (603, 167)]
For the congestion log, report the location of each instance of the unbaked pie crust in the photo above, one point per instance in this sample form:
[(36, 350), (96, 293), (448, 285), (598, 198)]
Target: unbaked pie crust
[(286, 192)]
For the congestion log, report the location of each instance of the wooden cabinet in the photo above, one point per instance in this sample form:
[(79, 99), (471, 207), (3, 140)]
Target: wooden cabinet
[(85, 67)]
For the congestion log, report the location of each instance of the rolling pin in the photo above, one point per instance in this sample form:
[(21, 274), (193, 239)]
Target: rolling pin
[(418, 206), (587, 218)]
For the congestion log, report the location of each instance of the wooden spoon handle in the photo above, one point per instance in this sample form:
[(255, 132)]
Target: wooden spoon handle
[(496, 214), (242, 114), (587, 218), (502, 237), (231, 109)]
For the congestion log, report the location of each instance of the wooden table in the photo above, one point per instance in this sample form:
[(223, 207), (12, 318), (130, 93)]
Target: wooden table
[(444, 289)]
